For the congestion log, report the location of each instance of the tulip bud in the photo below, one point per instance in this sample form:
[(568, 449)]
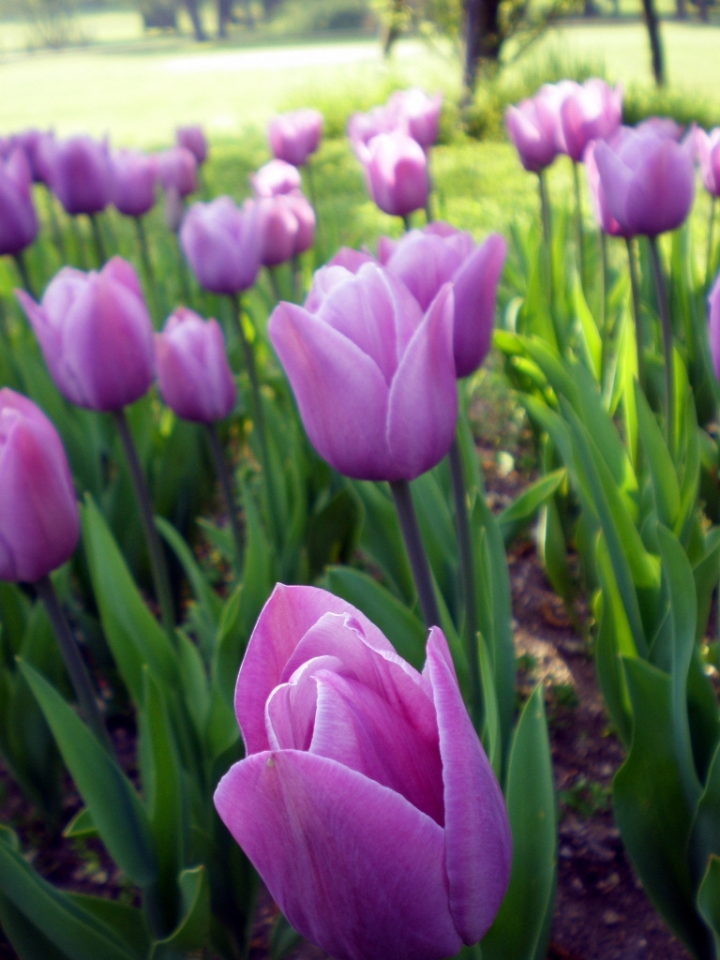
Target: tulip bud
[(95, 335), (134, 182), (591, 112), (177, 168), (80, 173), (193, 373), (294, 136), (39, 523), (417, 114), (714, 325), (221, 243), (193, 139), (396, 173), (18, 222), (286, 227), (605, 221), (708, 150), (365, 800), (274, 178), (532, 127)]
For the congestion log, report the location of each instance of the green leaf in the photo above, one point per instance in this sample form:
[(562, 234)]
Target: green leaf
[(530, 798), (114, 806), (381, 540), (193, 931), (666, 488), (204, 593), (438, 536), (81, 825), (491, 734), (333, 531), (126, 922), (283, 939), (706, 572), (517, 517), (708, 899), (705, 834), (590, 339)]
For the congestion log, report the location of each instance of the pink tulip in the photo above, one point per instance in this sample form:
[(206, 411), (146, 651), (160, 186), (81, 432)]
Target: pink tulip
[(708, 150), (177, 170), (418, 114), (714, 325), (134, 182), (31, 142), (18, 222), (39, 523), (592, 112), (80, 173), (293, 137), (396, 173), (192, 369), (95, 335), (374, 379), (365, 800), (362, 127), (274, 178), (647, 180), (286, 227), (221, 243), (193, 139), (533, 128), (605, 220)]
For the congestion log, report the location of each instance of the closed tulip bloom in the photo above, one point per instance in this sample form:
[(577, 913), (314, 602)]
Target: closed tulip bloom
[(193, 139), (592, 112), (39, 523), (305, 216), (418, 114), (80, 173), (396, 173), (294, 136), (374, 379), (134, 182), (30, 141), (648, 181), (532, 127), (286, 226), (95, 335), (607, 223), (708, 151), (18, 222), (221, 243), (193, 372), (274, 178), (365, 800), (177, 170), (362, 127), (714, 325)]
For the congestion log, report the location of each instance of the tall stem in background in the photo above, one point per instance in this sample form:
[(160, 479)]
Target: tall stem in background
[(416, 552), (226, 487), (603, 279), (147, 264), (55, 226), (637, 320), (664, 308), (100, 253), (158, 565), (547, 246), (579, 225), (711, 230), (22, 269)]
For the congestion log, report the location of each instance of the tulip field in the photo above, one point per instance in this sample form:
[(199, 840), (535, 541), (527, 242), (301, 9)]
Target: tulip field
[(360, 536)]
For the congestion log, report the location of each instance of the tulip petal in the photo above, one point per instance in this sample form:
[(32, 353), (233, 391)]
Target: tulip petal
[(662, 190), (616, 179), (422, 412), (291, 707), (475, 291), (353, 866), (340, 391), (477, 833)]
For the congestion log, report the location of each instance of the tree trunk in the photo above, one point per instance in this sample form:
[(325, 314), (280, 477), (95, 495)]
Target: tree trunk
[(192, 8), (680, 11), (482, 39), (653, 26), (703, 10), (224, 11)]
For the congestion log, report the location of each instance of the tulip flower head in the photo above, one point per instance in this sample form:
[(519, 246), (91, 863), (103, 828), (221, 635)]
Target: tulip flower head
[(714, 325), (18, 222), (708, 151), (607, 223), (193, 372), (222, 244), (362, 127), (274, 178), (80, 173), (133, 182), (374, 379), (177, 170), (593, 111), (95, 334), (417, 113), (532, 126), (31, 141), (39, 523), (294, 136), (286, 227), (647, 180), (193, 139), (396, 173), (365, 800)]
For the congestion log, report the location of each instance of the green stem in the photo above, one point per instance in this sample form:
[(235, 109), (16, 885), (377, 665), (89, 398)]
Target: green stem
[(296, 269), (579, 225), (74, 663), (79, 245), (664, 308), (603, 279), (22, 269), (545, 214), (416, 552), (148, 268), (311, 184), (55, 226), (158, 566), (637, 317), (467, 576), (226, 487), (406, 222), (183, 273), (98, 240), (274, 285), (711, 227)]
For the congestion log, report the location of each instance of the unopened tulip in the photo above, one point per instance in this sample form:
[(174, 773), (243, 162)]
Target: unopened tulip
[(39, 524), (134, 182), (365, 800), (31, 142), (177, 170), (374, 379), (18, 222), (221, 244), (95, 335), (607, 223), (648, 180), (418, 114), (193, 372), (80, 173), (193, 139), (275, 177), (396, 173), (714, 325), (708, 150), (362, 127), (286, 227), (532, 126), (591, 112), (294, 136)]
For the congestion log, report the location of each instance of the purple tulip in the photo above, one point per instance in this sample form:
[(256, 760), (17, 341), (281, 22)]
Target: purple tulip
[(663, 127), (396, 173), (274, 178), (648, 180), (95, 335), (134, 182), (591, 112), (374, 379), (532, 126), (365, 799), (607, 223), (31, 142), (177, 170), (18, 222), (193, 372), (708, 150), (417, 113), (221, 244), (80, 173), (39, 523), (294, 136), (193, 139), (286, 226), (362, 127), (714, 325)]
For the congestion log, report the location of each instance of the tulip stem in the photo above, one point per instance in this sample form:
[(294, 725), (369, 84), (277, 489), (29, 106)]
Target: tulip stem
[(710, 244), (406, 222), (226, 486), (467, 575), (183, 273), (545, 214), (74, 663), (603, 279), (637, 319), (416, 552), (147, 265), (579, 224), (98, 240), (55, 226), (158, 566), (22, 269), (274, 285), (664, 308), (311, 184)]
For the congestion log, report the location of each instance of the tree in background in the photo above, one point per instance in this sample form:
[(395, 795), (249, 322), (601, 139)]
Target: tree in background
[(653, 26)]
